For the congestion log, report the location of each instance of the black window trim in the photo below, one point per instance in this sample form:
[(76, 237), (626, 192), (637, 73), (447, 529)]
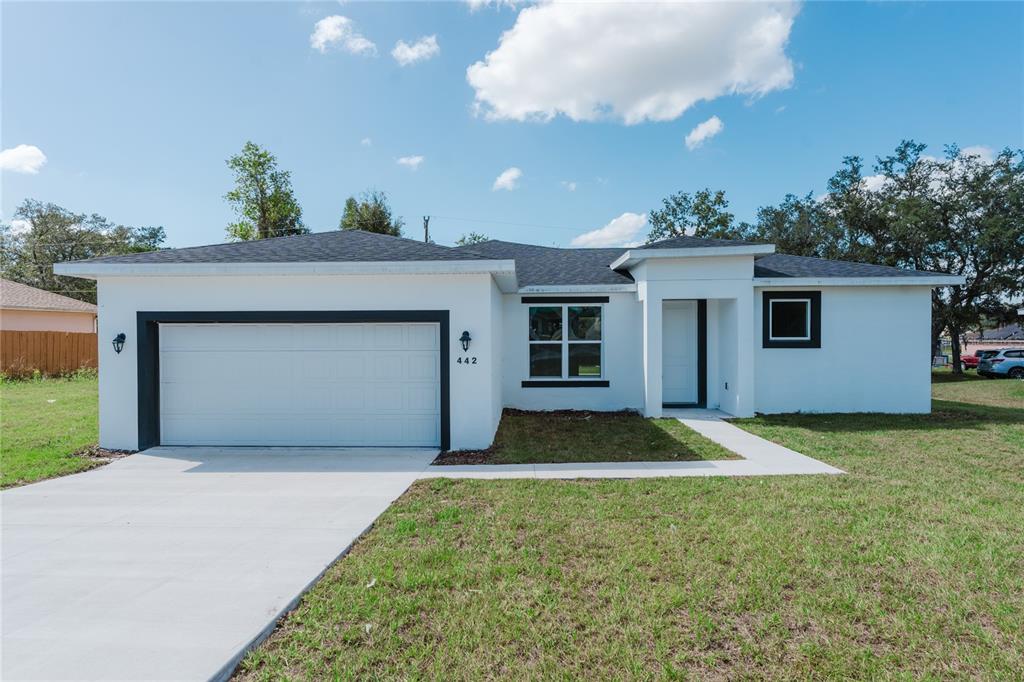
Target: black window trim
[(564, 380), (815, 328)]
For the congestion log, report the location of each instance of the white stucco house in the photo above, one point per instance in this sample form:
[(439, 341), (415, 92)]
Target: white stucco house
[(352, 338)]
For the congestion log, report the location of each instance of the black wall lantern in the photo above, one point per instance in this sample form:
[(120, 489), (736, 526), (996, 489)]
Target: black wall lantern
[(464, 340), (119, 342)]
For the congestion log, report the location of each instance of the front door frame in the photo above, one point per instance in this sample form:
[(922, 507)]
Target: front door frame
[(702, 355), (148, 340)]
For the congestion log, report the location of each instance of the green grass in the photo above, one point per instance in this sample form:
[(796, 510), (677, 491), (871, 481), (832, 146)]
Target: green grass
[(580, 436), (42, 422), (910, 566)]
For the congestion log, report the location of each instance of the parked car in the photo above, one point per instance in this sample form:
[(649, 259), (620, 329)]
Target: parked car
[(1008, 362), (971, 361)]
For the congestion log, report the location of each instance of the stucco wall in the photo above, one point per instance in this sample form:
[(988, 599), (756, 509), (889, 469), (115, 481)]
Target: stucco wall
[(469, 298), (873, 357), (622, 329), (47, 321)]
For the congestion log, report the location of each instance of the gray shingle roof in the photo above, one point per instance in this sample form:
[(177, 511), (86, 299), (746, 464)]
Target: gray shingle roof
[(689, 242), (535, 265), (550, 266), (783, 265), (1011, 332), (336, 245), (24, 297)]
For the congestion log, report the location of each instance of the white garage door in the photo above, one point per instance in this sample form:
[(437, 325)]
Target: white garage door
[(300, 384)]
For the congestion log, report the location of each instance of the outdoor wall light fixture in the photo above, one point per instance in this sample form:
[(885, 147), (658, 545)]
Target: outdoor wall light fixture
[(119, 342), (464, 340)]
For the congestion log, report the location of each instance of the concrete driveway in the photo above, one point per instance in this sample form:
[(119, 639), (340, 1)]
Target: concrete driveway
[(167, 564)]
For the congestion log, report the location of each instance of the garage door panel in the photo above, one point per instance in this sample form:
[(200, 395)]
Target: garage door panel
[(281, 384), (422, 367), (421, 399), (422, 337)]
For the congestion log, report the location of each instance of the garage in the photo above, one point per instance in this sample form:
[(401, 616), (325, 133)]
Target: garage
[(300, 384)]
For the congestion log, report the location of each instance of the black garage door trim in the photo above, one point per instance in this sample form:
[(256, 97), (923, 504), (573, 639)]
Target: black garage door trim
[(148, 338)]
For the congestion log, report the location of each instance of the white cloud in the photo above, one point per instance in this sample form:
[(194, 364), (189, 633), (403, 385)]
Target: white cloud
[(508, 180), (366, 142), (25, 158), (339, 31), (412, 162), (569, 185), (632, 61), (19, 226), (423, 49), (621, 231), (986, 154), (704, 132)]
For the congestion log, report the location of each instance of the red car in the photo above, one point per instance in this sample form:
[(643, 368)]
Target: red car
[(971, 361)]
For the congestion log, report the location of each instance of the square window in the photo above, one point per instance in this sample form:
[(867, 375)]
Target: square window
[(545, 359), (585, 360), (790, 320), (546, 324), (584, 323)]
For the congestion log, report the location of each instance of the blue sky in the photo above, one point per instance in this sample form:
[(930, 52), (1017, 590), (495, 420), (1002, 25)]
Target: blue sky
[(137, 105)]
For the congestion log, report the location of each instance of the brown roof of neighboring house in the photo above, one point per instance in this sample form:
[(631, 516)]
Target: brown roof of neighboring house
[(24, 297)]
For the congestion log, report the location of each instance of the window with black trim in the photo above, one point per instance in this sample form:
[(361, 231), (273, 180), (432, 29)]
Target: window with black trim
[(565, 341), (791, 319)]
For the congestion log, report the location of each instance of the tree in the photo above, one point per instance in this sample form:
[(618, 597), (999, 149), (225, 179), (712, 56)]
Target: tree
[(799, 226), (472, 238), (963, 215), (41, 234), (262, 198), (704, 214), (370, 213)]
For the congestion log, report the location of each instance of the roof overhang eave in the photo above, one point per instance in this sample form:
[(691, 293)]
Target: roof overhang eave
[(634, 256), (502, 269), (910, 280)]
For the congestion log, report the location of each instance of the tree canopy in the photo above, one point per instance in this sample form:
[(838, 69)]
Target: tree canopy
[(703, 214), (41, 234), (370, 212), (262, 198), (471, 238)]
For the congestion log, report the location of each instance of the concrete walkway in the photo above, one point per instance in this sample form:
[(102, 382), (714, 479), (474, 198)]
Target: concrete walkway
[(760, 458), (169, 563)]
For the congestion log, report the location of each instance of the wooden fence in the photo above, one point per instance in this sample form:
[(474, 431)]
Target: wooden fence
[(49, 352)]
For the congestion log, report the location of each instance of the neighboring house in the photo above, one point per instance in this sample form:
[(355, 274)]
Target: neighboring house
[(353, 338), (25, 308), (1009, 336)]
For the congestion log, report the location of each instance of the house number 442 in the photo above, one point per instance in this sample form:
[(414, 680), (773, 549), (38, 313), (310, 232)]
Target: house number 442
[(466, 361)]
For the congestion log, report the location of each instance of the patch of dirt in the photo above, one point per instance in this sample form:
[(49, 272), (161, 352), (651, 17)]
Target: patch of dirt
[(95, 453)]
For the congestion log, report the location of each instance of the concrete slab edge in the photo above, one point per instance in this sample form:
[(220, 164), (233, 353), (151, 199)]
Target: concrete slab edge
[(229, 668)]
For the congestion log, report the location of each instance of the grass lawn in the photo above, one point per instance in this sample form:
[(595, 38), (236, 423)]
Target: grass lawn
[(579, 436), (911, 566), (42, 422)]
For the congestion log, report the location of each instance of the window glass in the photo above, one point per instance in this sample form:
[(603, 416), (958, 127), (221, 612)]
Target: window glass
[(1009, 354), (546, 324), (545, 359), (584, 323), (789, 319), (584, 359)]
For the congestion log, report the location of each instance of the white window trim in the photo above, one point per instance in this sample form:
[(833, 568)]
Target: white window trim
[(807, 313), (565, 342)]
